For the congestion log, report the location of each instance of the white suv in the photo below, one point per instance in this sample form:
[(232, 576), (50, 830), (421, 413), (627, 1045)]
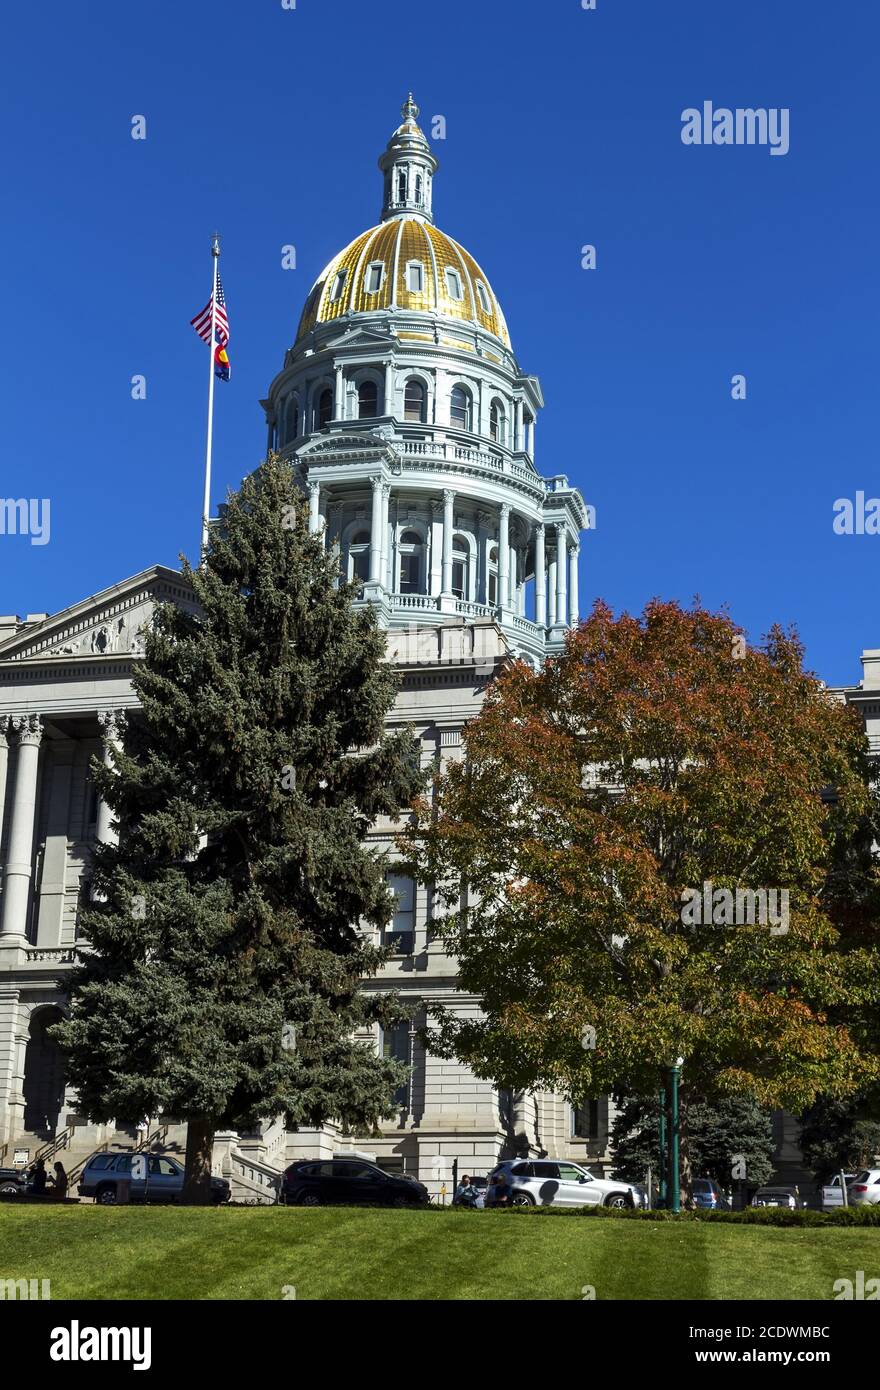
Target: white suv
[(864, 1190), (547, 1182)]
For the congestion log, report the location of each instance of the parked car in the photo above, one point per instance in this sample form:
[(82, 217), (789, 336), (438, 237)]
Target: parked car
[(13, 1182), (832, 1191), (546, 1182), (164, 1182), (708, 1196), (778, 1197), (352, 1181), (864, 1191)]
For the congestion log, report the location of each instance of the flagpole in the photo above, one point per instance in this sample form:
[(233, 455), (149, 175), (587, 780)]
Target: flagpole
[(212, 346)]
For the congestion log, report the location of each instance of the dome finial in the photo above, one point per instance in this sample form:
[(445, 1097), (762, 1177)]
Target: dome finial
[(409, 168)]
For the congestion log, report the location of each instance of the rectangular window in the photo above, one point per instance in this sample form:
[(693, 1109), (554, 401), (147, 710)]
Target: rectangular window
[(415, 277), (585, 1120), (395, 1044), (374, 278), (400, 932), (459, 572)]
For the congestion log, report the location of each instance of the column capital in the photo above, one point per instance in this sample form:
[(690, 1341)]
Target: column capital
[(29, 728), (504, 509), (313, 486), (539, 528), (377, 481), (448, 496), (5, 725)]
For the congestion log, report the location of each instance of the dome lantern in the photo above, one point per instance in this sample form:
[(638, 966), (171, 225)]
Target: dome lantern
[(409, 167)]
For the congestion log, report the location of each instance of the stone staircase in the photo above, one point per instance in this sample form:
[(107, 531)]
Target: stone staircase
[(252, 1163)]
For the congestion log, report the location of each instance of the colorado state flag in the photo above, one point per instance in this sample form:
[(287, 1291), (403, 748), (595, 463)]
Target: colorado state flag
[(222, 366)]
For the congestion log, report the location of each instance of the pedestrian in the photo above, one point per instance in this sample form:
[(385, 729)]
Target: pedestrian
[(60, 1182), (39, 1177), (498, 1194), (465, 1194)]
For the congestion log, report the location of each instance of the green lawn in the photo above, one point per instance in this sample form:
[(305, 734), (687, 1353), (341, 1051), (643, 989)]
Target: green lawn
[(253, 1253)]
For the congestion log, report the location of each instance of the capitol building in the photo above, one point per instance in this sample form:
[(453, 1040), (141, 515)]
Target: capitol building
[(412, 429)]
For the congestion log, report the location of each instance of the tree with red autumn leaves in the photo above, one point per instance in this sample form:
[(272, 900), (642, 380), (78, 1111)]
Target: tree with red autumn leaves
[(656, 759)]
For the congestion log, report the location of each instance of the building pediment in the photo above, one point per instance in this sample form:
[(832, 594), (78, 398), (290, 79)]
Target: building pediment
[(349, 448), (108, 624)]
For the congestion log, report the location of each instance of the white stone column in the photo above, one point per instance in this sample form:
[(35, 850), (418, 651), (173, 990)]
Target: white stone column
[(315, 508), (551, 593), (4, 766), (540, 577), (448, 528), (111, 722), (573, 557), (19, 862), (386, 538), (518, 426), (561, 575), (389, 389), (376, 532), (504, 556), (513, 580), (339, 394)]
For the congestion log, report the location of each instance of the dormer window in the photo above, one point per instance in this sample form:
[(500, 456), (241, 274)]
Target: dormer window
[(453, 284), (338, 286), (415, 277), (374, 278), (483, 297)]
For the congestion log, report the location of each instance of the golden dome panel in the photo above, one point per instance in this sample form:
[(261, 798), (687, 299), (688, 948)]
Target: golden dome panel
[(344, 287)]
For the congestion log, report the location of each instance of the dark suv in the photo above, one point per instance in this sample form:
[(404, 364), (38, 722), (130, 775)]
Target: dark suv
[(350, 1180), (164, 1181)]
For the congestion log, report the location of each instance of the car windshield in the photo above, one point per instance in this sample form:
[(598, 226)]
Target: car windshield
[(702, 1185)]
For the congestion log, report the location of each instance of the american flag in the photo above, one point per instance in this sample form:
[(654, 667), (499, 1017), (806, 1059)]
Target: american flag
[(202, 322)]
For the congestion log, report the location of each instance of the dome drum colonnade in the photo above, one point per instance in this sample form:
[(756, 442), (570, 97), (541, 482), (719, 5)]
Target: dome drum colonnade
[(407, 419)]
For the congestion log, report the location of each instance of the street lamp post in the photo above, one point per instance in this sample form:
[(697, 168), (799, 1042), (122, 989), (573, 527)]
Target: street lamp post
[(674, 1078), (664, 1160)]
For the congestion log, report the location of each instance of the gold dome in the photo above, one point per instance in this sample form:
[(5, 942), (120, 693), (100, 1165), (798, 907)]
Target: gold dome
[(345, 287)]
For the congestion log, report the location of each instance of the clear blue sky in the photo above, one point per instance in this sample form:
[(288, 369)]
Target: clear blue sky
[(563, 129)]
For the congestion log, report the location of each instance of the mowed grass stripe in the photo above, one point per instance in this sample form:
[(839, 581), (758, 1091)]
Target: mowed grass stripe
[(348, 1253)]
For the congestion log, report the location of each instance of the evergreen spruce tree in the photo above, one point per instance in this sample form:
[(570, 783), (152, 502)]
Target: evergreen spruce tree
[(713, 1134), (220, 977)]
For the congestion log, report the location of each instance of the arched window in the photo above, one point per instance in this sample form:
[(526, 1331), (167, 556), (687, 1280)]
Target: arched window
[(401, 185), (411, 553), (291, 427), (359, 556), (498, 423), (325, 407), (492, 584), (415, 400), (460, 407), (460, 564), (368, 400)]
